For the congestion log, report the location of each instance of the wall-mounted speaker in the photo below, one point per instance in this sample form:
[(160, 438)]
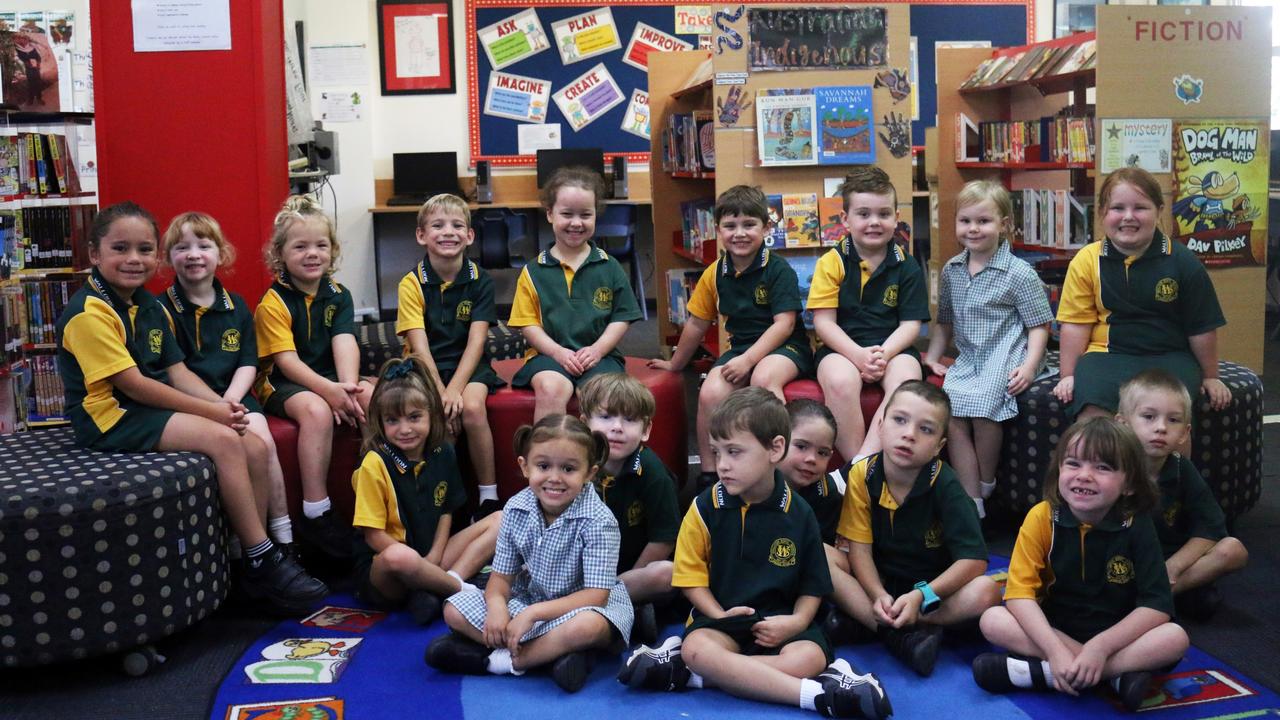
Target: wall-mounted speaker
[(484, 182), (620, 177)]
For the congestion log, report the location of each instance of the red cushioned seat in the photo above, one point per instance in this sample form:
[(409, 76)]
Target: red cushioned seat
[(345, 459), (510, 408)]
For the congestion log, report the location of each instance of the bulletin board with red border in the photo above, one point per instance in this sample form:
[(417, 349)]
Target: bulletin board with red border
[(495, 138)]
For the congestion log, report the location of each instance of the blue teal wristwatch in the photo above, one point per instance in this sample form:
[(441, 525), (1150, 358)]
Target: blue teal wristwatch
[(931, 599)]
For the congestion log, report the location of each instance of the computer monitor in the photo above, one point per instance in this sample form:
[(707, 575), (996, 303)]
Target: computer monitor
[(551, 160), (424, 173)]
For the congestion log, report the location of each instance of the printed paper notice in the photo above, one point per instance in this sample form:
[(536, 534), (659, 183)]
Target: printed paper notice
[(588, 97), (417, 46), (586, 35), (694, 20), (1146, 144), (636, 121), (517, 97), (514, 39), (340, 105), (532, 138), (338, 65), (647, 39), (169, 25)]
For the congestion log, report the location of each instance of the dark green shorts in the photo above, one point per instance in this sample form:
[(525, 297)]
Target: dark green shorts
[(282, 390), (484, 374), (542, 363), (738, 628), (138, 431), (801, 357), (1099, 376), (367, 593), (251, 404)]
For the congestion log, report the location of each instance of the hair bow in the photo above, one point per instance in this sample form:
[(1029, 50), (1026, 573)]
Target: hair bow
[(400, 370)]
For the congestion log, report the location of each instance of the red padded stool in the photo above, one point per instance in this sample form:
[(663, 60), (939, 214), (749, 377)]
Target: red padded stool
[(345, 459), (509, 408)]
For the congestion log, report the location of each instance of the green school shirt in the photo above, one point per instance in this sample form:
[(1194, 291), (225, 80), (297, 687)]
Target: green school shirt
[(218, 340), (445, 310), (642, 498), (1187, 506)]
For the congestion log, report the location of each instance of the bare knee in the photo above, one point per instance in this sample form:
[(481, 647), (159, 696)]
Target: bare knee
[(455, 619), (1232, 552), (714, 390), (552, 386), (697, 650), (995, 623), (313, 415), (474, 412), (398, 559), (254, 449)]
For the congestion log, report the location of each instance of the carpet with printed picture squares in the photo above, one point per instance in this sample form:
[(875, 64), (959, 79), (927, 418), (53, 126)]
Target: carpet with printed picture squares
[(344, 662)]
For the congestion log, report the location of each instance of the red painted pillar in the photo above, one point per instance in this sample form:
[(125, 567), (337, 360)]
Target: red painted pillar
[(199, 130)]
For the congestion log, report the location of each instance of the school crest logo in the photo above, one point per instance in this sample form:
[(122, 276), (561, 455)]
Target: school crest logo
[(442, 489), (155, 340), (1119, 570), (1171, 514), (602, 298), (933, 536), (231, 340), (890, 296), (464, 311), (329, 313), (1167, 290), (635, 514), (783, 552), (762, 294)]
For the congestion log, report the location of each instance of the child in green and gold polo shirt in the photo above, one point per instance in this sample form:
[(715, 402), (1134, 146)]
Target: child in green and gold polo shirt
[(638, 489), (749, 558), (868, 300), (1088, 598), (758, 294), (446, 308)]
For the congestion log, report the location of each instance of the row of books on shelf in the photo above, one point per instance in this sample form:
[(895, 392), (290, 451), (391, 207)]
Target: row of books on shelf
[(37, 164), (1052, 219), (797, 220), (43, 303), (1040, 61), (12, 330), (682, 281), (45, 399), (1058, 139), (689, 143), (44, 237)]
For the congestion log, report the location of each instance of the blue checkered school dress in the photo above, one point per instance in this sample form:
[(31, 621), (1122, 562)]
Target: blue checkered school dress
[(577, 551), (989, 314)]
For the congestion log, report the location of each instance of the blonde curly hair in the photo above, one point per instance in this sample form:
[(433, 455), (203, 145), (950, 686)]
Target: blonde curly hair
[(298, 208)]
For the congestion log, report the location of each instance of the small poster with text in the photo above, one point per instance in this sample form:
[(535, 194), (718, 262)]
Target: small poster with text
[(647, 39), (636, 121), (586, 35), (511, 40), (589, 96), (517, 97)]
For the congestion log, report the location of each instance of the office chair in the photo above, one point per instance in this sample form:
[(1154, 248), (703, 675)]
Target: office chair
[(619, 221), (498, 232)]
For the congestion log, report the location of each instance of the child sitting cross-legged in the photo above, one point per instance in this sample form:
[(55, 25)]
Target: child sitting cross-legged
[(912, 534), (749, 558)]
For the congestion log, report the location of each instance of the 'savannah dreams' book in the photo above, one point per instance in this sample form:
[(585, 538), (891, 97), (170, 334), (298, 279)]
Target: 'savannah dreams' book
[(846, 128)]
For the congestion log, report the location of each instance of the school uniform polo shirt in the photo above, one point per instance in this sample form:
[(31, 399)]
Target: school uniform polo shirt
[(405, 498), (749, 299), (642, 498), (936, 525), (1146, 304), (573, 306), (218, 340), (99, 335), (869, 304), (825, 496), (1187, 506), (288, 319), (1088, 577), (764, 556), (445, 309)]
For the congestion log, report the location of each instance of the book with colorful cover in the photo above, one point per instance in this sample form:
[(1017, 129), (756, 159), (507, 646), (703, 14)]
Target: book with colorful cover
[(830, 220), (10, 174), (785, 129), (800, 217), (1079, 56), (777, 236), (846, 126)]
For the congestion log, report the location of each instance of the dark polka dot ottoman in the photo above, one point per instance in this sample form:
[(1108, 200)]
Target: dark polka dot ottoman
[(379, 343), (102, 552), (1226, 445)]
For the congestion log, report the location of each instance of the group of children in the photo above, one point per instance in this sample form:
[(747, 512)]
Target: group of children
[(778, 559)]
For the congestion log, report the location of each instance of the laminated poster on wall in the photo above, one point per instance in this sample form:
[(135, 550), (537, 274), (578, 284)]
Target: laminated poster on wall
[(37, 86), (785, 128), (517, 97), (588, 96), (646, 39), (1147, 144), (636, 119), (1220, 170), (694, 19), (513, 39), (586, 35), (817, 38), (846, 126)]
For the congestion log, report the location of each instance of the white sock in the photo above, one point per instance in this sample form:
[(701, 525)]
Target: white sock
[(1020, 672), (314, 510), (500, 663), (281, 529), (809, 689), (695, 680), (988, 489), (982, 507), (488, 492), (463, 585)]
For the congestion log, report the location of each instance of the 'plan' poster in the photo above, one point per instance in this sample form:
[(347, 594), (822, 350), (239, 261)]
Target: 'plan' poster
[(1220, 189), (586, 35)]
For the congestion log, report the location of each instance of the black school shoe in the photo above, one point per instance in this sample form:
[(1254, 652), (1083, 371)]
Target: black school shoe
[(327, 534), (570, 670), (917, 646), (841, 629), (846, 693), (659, 668), (279, 580), (485, 509), (1132, 688), (453, 653), (645, 628), (1198, 604), (991, 672), (424, 607)]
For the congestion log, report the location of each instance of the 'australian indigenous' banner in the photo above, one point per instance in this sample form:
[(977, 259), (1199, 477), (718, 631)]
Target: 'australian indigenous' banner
[(817, 38), (1220, 189)]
